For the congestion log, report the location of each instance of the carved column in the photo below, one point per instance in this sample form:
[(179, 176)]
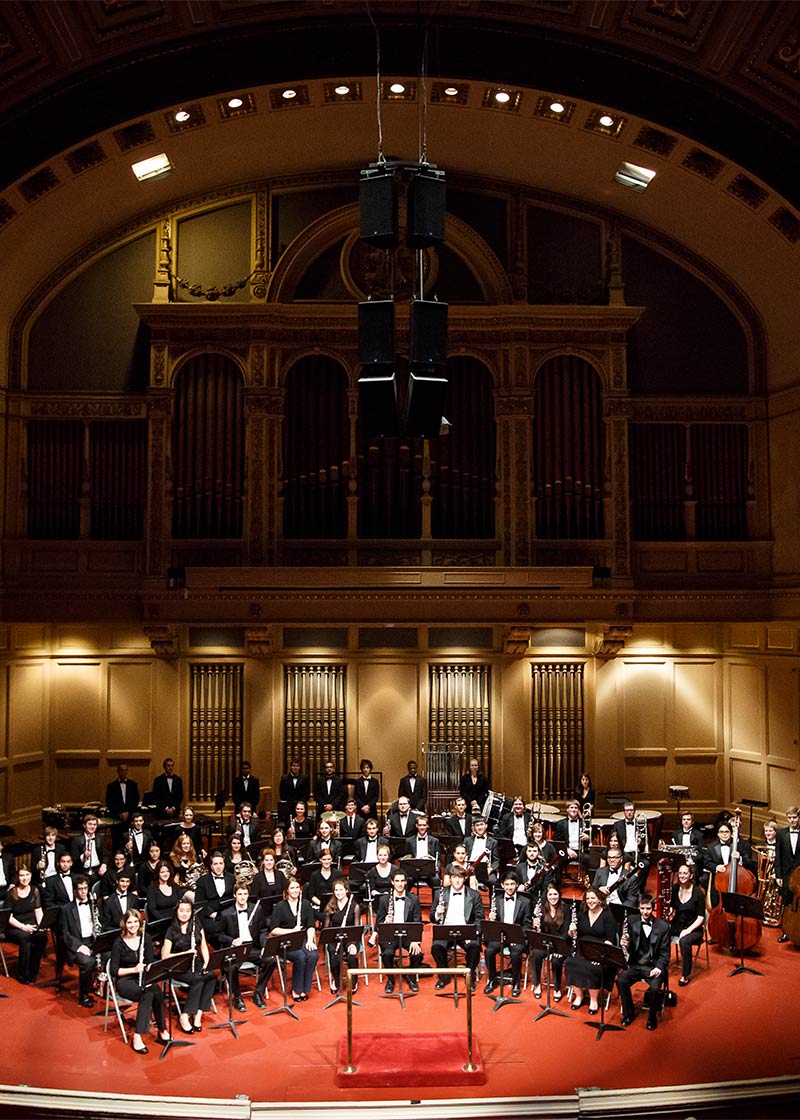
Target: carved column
[(260, 481), (514, 413), (620, 535), (159, 479)]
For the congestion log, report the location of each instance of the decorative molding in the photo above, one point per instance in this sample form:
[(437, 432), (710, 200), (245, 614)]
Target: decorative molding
[(611, 641), (258, 641), (164, 641), (517, 640)]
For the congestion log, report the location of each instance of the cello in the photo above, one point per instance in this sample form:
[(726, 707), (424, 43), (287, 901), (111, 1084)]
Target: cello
[(727, 931), (790, 923)]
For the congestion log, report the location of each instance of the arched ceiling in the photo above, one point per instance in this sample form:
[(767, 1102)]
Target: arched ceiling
[(709, 93)]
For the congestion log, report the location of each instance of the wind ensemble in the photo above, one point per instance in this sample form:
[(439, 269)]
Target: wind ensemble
[(117, 915)]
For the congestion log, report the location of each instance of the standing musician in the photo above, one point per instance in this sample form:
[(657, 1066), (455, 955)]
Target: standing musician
[(787, 855), (627, 833), (595, 923), (618, 887), (413, 787), (514, 909), (647, 943), (244, 925), (76, 932), (397, 906), (717, 856), (687, 916), (330, 792), (122, 799), (319, 887), (293, 914), (130, 955), (301, 826), (367, 791), (168, 791), (293, 787), (88, 850), (556, 919), (342, 910), (474, 786), (459, 823), (45, 856), (139, 839), (400, 821), (213, 895), (186, 933), (246, 824), (482, 853), (59, 889), (147, 869), (584, 792), (351, 826), (246, 787), (458, 905)]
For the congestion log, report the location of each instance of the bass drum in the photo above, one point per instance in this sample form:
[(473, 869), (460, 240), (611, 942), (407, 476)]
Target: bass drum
[(496, 806)]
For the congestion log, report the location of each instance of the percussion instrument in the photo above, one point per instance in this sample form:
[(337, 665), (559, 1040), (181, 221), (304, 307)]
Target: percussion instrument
[(541, 808), (601, 830), (55, 816), (653, 819), (549, 822), (495, 807), (333, 816)]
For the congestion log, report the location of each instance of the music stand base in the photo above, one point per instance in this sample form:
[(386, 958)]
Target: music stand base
[(230, 1023), (170, 1043), (340, 999), (743, 968), (601, 1027), (277, 1010), (547, 1010)]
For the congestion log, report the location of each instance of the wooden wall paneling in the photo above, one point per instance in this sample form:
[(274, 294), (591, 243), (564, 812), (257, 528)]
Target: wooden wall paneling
[(77, 710), (697, 730), (391, 724), (747, 730), (5, 684), (27, 700), (647, 709), (129, 718), (783, 709)]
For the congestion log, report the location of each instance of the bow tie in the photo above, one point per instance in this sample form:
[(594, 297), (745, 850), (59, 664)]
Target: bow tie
[(65, 875), (456, 894), (123, 896), (83, 901), (219, 877), (242, 911)]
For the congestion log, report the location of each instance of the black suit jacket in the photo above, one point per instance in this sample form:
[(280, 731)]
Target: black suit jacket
[(523, 915), (135, 856), (254, 831), (413, 911), (492, 858), (506, 825), (473, 905), (55, 893), (394, 823), (354, 831), (116, 803), (337, 796), (205, 893), (230, 929), (360, 848), (785, 861), (290, 793), (251, 794), (418, 796), (163, 798), (561, 832), (368, 796), (659, 944), (9, 870), (474, 791), (452, 826), (111, 911), (70, 928), (78, 847), (696, 837), (411, 845), (628, 893)]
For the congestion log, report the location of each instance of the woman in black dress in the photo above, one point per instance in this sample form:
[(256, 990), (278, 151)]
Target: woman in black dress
[(269, 884), (687, 915), (290, 915), (595, 923), (584, 792), (184, 934), (130, 955), (26, 913), (556, 918), (147, 870), (324, 839), (342, 910), (320, 883), (301, 826), (285, 855), (474, 787), (163, 895)]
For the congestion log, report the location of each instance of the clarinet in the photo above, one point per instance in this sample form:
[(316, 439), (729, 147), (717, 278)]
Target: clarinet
[(537, 914), (390, 911), (625, 949), (96, 928)]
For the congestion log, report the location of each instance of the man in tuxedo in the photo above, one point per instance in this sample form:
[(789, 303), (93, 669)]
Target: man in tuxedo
[(330, 792), (405, 909), (168, 791), (514, 909), (139, 839), (244, 924), (351, 826), (293, 787), (460, 822), (719, 854), (59, 889), (422, 845), (76, 937), (514, 825), (482, 852), (647, 943), (413, 787), (119, 902), (607, 878), (568, 830), (45, 856), (366, 848), (246, 787), (688, 835), (400, 821), (457, 905), (367, 791), (246, 825), (8, 871), (628, 834), (787, 855), (88, 850), (213, 895), (122, 798)]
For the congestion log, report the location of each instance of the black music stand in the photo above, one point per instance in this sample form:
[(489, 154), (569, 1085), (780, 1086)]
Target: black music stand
[(597, 952), (454, 933), (416, 869), (161, 972), (280, 945), (338, 935), (400, 935), (754, 804), (228, 960), (742, 906), (551, 944), (506, 852), (506, 933), (220, 801)]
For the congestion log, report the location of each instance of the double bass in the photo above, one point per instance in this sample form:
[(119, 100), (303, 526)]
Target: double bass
[(738, 935)]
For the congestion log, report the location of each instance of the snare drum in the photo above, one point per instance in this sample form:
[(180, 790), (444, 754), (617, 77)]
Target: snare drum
[(495, 807)]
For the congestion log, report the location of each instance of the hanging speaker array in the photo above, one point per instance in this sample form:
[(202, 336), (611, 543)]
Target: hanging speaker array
[(386, 408)]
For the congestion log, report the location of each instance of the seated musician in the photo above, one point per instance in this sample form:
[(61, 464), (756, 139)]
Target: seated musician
[(546, 849), (147, 869), (514, 909), (25, 904), (88, 850), (163, 894), (458, 905), (688, 835), (514, 825), (533, 874), (244, 925), (183, 857), (130, 955), (595, 923), (121, 900), (342, 910), (234, 853), (366, 849), (319, 887), (285, 855), (213, 895), (556, 918), (77, 934), (186, 933), (246, 824), (617, 886), (568, 830), (458, 858), (108, 884), (482, 853), (647, 944), (325, 838), (269, 884), (292, 914), (8, 871), (628, 833), (687, 916), (398, 907), (423, 845)]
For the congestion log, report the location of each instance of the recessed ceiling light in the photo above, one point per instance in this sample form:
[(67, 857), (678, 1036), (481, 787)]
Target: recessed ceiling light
[(397, 87), (182, 115), (502, 96), (152, 168), (635, 177), (235, 103), (556, 106), (288, 94), (606, 121), (451, 91), (342, 90)]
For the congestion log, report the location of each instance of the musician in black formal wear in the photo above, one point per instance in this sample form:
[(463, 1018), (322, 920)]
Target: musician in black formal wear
[(413, 787), (595, 922), (122, 798), (246, 787), (514, 825), (213, 895), (584, 792), (246, 824), (330, 792), (324, 840), (319, 887), (119, 902), (482, 853), (76, 934), (292, 914), (108, 884), (687, 917), (533, 874), (293, 787), (423, 845), (45, 856), (269, 884), (514, 909), (718, 855), (459, 823), (556, 919), (163, 894), (351, 826), (568, 830), (168, 791), (184, 934), (399, 907), (88, 850), (366, 848), (244, 924), (59, 889), (367, 791), (137, 839), (458, 905), (619, 887), (342, 910), (130, 955), (630, 834), (8, 871), (25, 903), (647, 943), (546, 850), (146, 870), (688, 835), (400, 821), (474, 787), (787, 856)]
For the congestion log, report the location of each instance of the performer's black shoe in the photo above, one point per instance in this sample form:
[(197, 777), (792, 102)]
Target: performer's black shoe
[(86, 1001), (389, 987), (413, 986), (684, 980), (490, 987), (652, 1024), (515, 991), (441, 983), (783, 937), (259, 1001), (627, 1020), (238, 1004)]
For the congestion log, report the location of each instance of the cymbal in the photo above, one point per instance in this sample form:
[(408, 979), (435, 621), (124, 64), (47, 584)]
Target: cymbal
[(333, 815)]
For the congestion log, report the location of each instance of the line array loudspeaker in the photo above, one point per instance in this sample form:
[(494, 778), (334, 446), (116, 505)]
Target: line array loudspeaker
[(378, 209), (426, 210), (376, 331), (427, 393), (377, 400), (428, 341)]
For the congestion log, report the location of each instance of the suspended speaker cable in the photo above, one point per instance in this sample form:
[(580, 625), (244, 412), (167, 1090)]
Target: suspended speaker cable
[(381, 158)]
